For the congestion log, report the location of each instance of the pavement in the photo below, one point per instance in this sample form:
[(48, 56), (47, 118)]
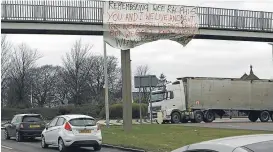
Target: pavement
[(34, 146)]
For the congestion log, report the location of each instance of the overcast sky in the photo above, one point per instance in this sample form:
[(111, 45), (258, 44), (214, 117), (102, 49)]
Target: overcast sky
[(212, 58)]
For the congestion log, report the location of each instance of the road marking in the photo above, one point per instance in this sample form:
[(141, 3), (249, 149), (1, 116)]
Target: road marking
[(6, 147)]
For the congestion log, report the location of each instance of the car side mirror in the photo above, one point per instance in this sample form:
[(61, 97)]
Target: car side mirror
[(46, 126)]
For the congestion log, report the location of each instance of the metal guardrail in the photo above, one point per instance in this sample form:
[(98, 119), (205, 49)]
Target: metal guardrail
[(91, 12)]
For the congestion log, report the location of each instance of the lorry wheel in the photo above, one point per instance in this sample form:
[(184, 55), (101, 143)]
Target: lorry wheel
[(253, 117), (209, 116), (264, 116), (198, 116), (176, 117)]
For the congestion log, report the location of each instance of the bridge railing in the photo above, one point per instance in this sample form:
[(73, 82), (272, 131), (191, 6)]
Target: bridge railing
[(91, 12), (235, 19)]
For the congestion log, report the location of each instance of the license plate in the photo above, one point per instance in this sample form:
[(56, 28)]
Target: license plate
[(34, 126), (85, 131)]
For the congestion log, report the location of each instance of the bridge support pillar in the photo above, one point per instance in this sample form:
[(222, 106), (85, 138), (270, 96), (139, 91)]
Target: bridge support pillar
[(126, 89)]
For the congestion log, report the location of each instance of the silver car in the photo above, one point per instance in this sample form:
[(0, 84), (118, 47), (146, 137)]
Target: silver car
[(247, 143), (72, 131)]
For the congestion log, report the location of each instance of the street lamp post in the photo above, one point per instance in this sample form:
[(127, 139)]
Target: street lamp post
[(106, 85)]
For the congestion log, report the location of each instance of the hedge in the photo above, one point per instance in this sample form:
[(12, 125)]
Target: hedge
[(115, 111), (95, 111), (50, 113)]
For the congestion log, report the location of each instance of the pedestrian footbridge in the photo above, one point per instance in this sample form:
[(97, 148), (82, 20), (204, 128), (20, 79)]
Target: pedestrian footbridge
[(85, 17)]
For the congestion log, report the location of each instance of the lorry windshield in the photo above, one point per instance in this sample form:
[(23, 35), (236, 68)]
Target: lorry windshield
[(157, 96)]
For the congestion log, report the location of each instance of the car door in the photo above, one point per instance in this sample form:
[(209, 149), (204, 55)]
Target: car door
[(49, 135), (15, 125), (10, 127), (57, 129)]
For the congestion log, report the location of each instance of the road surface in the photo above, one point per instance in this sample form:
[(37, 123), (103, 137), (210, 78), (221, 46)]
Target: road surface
[(239, 123), (34, 146)]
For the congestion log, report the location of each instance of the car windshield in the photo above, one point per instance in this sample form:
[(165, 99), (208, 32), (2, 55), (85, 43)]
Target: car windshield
[(82, 122), (157, 96), (32, 118)]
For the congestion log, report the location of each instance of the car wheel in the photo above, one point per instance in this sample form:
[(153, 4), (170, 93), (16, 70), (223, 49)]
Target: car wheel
[(43, 143), (97, 147), (6, 135), (61, 145), (18, 137)]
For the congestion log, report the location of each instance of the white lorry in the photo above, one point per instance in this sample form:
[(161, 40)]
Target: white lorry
[(202, 99)]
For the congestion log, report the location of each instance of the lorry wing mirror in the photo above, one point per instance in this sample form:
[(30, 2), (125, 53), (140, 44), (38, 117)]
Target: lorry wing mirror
[(171, 95)]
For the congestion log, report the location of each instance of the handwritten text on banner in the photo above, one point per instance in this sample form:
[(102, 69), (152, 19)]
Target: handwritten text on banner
[(128, 25)]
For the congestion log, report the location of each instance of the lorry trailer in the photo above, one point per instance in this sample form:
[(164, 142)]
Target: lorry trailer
[(198, 99)]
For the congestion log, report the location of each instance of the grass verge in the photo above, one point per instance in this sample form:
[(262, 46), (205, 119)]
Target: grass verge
[(165, 138)]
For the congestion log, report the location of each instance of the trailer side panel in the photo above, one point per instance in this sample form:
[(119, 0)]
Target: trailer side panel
[(230, 94)]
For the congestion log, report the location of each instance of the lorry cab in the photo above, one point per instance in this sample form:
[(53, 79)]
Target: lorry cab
[(168, 100), (156, 100)]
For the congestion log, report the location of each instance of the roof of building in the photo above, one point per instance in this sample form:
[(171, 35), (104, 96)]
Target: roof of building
[(244, 76), (251, 75)]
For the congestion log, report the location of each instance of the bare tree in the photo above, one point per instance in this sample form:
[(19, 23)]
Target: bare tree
[(114, 79), (23, 59), (6, 52), (142, 70), (44, 85), (96, 80), (77, 67)]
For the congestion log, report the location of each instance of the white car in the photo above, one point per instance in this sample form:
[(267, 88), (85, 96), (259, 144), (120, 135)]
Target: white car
[(72, 131), (247, 143)]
